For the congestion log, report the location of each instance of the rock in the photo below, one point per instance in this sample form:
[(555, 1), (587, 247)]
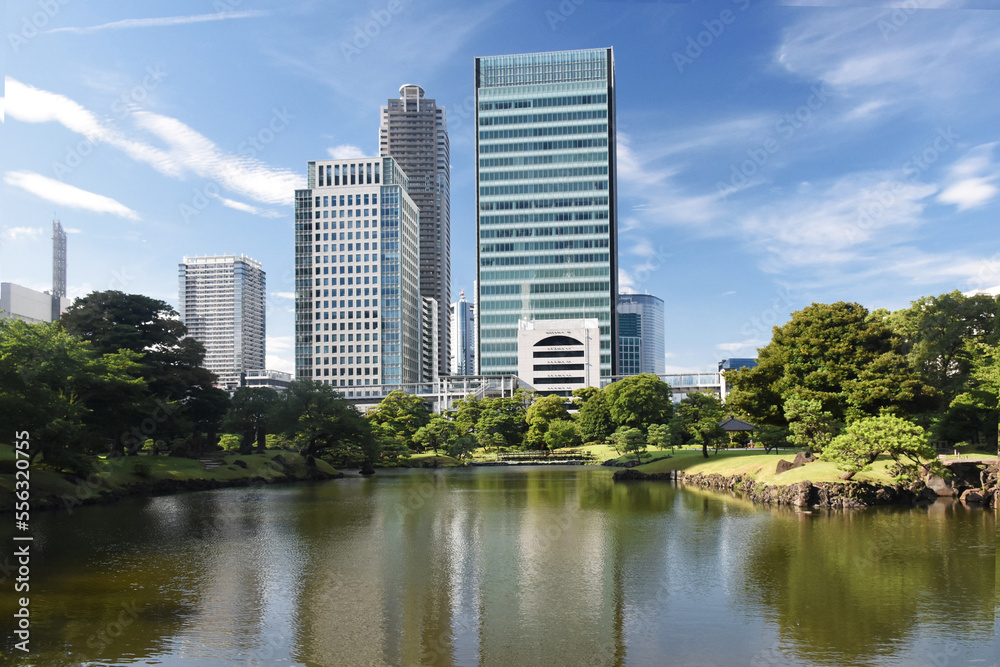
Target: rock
[(241, 463), (938, 485), (784, 465), (972, 497), (280, 460), (802, 458), (367, 470)]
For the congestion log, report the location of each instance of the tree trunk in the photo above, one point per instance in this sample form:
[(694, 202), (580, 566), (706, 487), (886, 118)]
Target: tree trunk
[(704, 449)]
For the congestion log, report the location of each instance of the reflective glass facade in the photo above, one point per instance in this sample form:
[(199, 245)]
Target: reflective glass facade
[(640, 334), (546, 198)]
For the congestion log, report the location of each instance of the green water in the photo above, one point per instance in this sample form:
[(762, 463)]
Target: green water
[(490, 566)]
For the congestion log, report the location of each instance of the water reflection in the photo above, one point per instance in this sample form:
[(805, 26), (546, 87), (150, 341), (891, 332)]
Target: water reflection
[(507, 567)]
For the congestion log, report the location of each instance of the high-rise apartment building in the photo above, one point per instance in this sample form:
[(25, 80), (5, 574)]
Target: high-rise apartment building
[(640, 335), (223, 306), (357, 298), (546, 217), (462, 358), (414, 131)]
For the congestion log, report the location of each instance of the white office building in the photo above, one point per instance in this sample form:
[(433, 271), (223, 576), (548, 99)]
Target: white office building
[(558, 356), (357, 299), (223, 304)]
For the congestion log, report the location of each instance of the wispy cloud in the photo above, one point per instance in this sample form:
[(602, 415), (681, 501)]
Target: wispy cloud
[(14, 234), (972, 179), (247, 208), (67, 195), (187, 151), (162, 22), (345, 152)]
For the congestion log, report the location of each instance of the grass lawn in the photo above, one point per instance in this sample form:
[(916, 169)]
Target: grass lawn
[(761, 467), (429, 459)]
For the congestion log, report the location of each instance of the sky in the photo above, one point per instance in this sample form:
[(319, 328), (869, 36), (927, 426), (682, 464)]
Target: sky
[(772, 154)]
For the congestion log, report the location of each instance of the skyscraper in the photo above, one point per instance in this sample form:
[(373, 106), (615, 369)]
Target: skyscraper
[(462, 358), (546, 217), (357, 296), (414, 131), (640, 334), (222, 303), (58, 260)]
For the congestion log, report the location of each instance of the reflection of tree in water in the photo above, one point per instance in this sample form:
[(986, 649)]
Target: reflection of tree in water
[(844, 586)]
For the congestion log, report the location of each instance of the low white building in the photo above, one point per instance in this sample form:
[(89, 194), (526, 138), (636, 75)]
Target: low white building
[(32, 306), (558, 356)]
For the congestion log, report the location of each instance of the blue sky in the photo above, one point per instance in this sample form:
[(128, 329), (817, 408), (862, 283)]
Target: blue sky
[(772, 154)]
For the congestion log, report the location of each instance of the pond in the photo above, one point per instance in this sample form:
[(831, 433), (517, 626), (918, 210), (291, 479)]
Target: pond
[(506, 566)]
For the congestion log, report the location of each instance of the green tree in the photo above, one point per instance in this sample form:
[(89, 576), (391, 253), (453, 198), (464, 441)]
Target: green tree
[(544, 410), (437, 433), (250, 412), (698, 416), (593, 415), (170, 362), (659, 436), (57, 388), (809, 425), (639, 400), (562, 433), (629, 440), (403, 413), (502, 421), (834, 353), (982, 394), (319, 420), (866, 439), (461, 446)]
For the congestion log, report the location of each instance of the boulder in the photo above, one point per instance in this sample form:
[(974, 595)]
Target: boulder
[(784, 465), (240, 463), (940, 486), (972, 497), (802, 458)]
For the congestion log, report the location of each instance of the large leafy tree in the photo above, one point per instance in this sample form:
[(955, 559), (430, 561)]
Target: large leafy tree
[(809, 425), (834, 353), (543, 411), (321, 421), (697, 416), (639, 400), (171, 362), (249, 415), (593, 415), (437, 433), (403, 414), (61, 391), (502, 421), (982, 395)]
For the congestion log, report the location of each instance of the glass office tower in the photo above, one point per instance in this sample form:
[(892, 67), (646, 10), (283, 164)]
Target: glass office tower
[(640, 334), (546, 198)]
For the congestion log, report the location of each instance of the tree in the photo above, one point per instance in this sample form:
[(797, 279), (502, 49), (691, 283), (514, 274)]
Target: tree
[(628, 440), (438, 432), (810, 426), (698, 415), (317, 420), (250, 412), (639, 400), (659, 436), (983, 391), (562, 433), (544, 410), (866, 439), (462, 446), (834, 353), (593, 416), (57, 388), (403, 413), (170, 362), (502, 421)]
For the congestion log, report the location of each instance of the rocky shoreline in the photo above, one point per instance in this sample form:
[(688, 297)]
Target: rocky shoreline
[(807, 495)]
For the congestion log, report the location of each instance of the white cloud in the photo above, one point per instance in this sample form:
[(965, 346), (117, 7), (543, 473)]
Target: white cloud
[(281, 358), (72, 230), (283, 295), (15, 234), (750, 344), (345, 152), (247, 208), (161, 22), (972, 179), (188, 152), (67, 195)]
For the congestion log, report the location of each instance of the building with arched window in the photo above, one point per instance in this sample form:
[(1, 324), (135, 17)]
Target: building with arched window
[(558, 356)]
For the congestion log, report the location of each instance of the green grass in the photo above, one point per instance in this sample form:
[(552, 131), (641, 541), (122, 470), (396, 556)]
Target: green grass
[(116, 473), (762, 467), (428, 460)]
